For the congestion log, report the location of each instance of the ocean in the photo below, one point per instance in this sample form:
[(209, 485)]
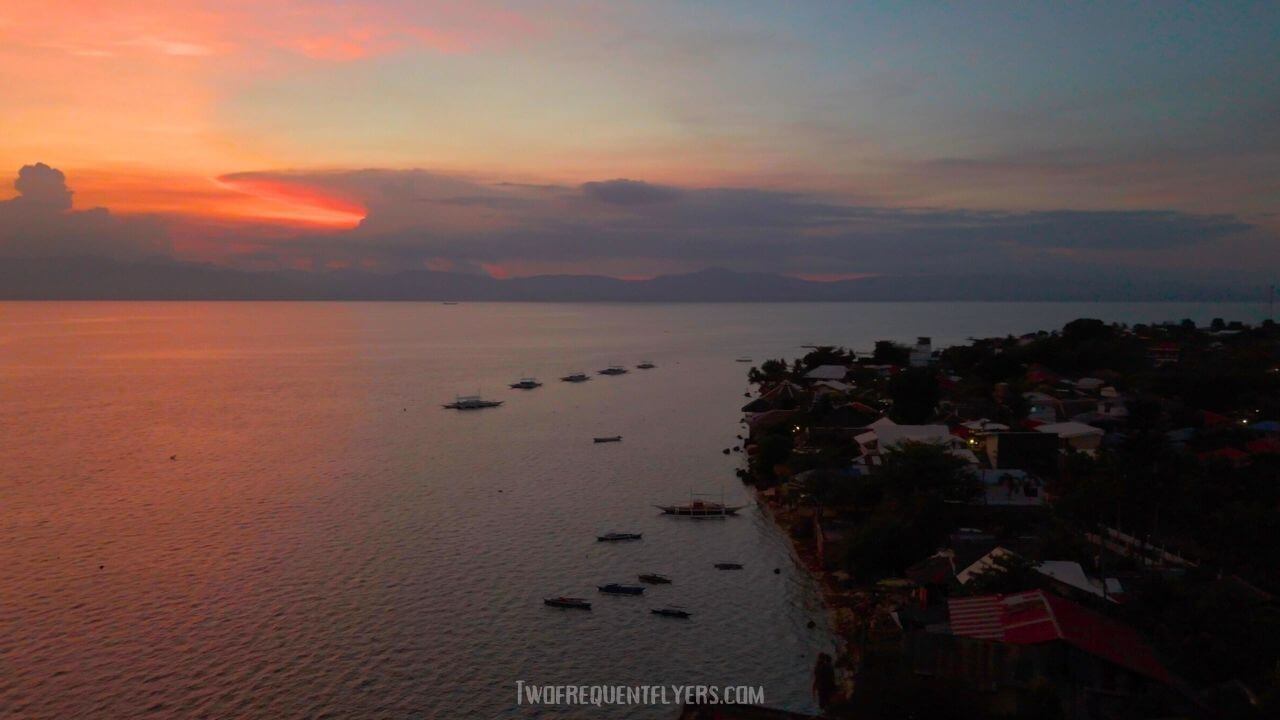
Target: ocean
[(261, 510)]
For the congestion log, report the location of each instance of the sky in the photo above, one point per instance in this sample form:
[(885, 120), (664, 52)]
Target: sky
[(823, 140)]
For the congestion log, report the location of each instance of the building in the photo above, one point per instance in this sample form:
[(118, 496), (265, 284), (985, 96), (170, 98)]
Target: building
[(922, 353), (1075, 435)]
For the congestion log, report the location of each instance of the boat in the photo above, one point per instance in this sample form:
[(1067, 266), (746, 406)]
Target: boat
[(611, 438), (614, 370), (674, 611), (646, 365), (568, 602), (701, 508), (527, 383), (655, 579), (617, 589), (471, 402), (728, 566), (743, 360), (576, 377), (616, 536), (448, 302)]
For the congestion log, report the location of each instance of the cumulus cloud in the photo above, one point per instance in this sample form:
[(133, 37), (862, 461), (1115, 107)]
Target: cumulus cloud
[(40, 222)]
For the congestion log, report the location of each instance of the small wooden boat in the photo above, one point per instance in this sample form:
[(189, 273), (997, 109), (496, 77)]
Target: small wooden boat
[(655, 579), (617, 589), (646, 365), (526, 384), (568, 602), (674, 611), (728, 566), (616, 536), (576, 377), (471, 402), (611, 438), (614, 370)]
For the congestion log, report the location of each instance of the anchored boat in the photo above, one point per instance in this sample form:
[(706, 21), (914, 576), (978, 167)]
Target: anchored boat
[(611, 438), (616, 536), (616, 589), (472, 402), (526, 384), (614, 370), (568, 602), (674, 611), (646, 365), (576, 377), (655, 579), (728, 566)]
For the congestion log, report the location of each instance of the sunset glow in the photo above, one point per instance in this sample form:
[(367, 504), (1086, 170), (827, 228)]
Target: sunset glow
[(465, 135)]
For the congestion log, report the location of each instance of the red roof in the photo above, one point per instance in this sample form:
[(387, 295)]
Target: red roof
[(1227, 453), (1212, 418), (1264, 446), (1034, 617)]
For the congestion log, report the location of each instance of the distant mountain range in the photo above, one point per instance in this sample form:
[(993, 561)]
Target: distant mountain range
[(96, 279)]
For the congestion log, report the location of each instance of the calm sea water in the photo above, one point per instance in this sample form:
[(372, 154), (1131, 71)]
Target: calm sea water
[(329, 542)]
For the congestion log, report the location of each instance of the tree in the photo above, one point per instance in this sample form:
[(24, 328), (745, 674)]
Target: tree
[(915, 395), (920, 468), (888, 352)]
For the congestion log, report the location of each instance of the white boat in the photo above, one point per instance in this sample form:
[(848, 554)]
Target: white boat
[(471, 402)]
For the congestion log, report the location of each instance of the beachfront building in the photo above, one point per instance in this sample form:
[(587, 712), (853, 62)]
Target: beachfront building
[(922, 354)]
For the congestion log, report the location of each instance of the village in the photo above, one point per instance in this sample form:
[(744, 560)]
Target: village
[(1072, 524)]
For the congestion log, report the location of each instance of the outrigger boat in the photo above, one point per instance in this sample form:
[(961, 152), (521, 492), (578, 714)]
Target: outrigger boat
[(655, 579), (674, 611), (699, 508), (526, 384), (471, 402), (616, 536), (616, 589), (611, 438), (614, 370), (568, 602), (576, 377), (646, 365)]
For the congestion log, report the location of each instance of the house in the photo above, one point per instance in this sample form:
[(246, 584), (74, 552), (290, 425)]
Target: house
[(1007, 655), (889, 437), (1042, 407), (1164, 353), (1040, 618), (827, 372), (1070, 576), (1233, 457), (1075, 435), (1089, 384)]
